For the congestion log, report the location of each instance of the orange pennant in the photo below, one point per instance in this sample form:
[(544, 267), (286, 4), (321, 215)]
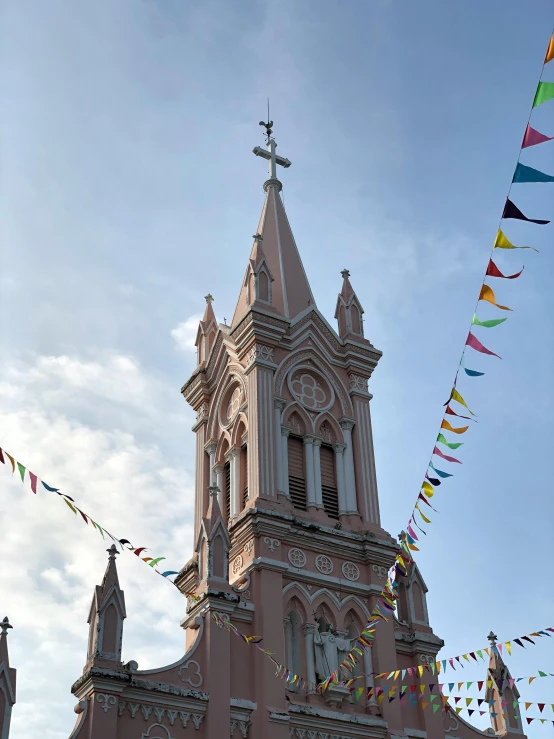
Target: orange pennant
[(550, 51), (488, 295), (448, 427)]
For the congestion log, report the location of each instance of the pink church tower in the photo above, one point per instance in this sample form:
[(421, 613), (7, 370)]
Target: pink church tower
[(288, 537), (7, 681)]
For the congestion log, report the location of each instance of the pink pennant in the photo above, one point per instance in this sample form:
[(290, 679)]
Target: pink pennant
[(474, 343), (533, 137), (33, 481), (411, 532), (438, 452)]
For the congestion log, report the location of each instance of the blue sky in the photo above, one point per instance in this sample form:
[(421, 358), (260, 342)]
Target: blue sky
[(128, 190)]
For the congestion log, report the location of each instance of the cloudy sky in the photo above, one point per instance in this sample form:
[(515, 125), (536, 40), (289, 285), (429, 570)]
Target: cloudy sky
[(128, 190)]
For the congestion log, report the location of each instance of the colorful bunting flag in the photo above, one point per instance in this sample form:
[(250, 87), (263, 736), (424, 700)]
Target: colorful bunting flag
[(502, 242), (438, 452), (545, 91), (460, 430), (487, 324), (550, 51), (474, 343), (488, 295), (525, 174), (493, 271), (441, 439)]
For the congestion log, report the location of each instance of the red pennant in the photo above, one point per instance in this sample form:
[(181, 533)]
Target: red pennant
[(450, 412), (33, 481), (541, 706), (2, 457), (493, 271)]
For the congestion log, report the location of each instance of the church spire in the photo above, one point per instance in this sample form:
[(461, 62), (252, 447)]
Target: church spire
[(275, 278), (7, 681), (349, 310), (502, 693)]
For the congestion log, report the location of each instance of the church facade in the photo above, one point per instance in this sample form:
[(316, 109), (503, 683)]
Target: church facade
[(289, 543)]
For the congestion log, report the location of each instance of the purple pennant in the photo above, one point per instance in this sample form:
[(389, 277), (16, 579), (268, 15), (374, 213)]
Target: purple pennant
[(512, 211), (533, 137), (433, 480)]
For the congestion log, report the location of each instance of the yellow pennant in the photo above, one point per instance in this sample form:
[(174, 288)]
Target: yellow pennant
[(501, 242), (448, 427), (465, 657), (428, 489), (420, 670), (489, 683), (427, 520), (508, 646), (457, 397), (438, 664), (396, 674), (468, 701), (458, 709), (422, 689), (69, 504), (415, 549)]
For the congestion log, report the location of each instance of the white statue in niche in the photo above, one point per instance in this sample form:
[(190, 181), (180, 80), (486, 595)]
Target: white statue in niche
[(330, 649)]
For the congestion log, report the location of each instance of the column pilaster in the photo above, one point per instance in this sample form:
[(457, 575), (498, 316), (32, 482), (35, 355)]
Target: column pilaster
[(278, 406), (349, 477), (285, 459), (309, 462), (309, 630), (218, 474), (233, 455), (317, 474)]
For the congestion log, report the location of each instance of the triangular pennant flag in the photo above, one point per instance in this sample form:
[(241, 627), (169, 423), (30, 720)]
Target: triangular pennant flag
[(480, 685), (440, 473), (428, 489), (488, 295), (433, 480), (33, 479), (458, 398), (69, 504), (49, 488), (450, 412), (502, 242), (474, 343), (545, 91), (441, 439), (424, 704), (550, 51), (427, 520), (438, 452), (480, 654), (487, 324), (12, 460), (436, 707), (21, 471), (541, 706), (528, 174), (461, 429), (517, 641), (2, 460), (509, 647), (493, 271), (512, 211), (468, 701), (470, 711)]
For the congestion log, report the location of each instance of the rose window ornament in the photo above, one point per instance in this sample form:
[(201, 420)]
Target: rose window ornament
[(234, 404), (309, 391), (324, 564), (351, 571), (297, 558)]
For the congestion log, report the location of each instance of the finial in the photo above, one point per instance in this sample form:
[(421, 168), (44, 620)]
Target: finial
[(402, 535), (209, 298), (492, 638), (345, 273), (258, 237), (112, 551), (214, 490), (5, 625)]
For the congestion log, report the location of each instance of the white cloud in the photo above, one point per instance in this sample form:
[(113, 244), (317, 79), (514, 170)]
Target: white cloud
[(184, 334), (126, 483)]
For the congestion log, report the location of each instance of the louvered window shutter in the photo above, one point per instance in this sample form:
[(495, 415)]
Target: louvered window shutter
[(297, 475), (244, 462), (227, 475), (329, 489)]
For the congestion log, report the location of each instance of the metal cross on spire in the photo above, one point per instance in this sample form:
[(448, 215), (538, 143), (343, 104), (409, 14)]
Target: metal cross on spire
[(272, 158), (492, 638), (5, 625), (112, 552)]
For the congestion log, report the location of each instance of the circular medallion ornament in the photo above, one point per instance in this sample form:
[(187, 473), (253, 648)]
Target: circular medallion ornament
[(351, 571), (324, 564), (311, 389), (234, 404), (297, 558)]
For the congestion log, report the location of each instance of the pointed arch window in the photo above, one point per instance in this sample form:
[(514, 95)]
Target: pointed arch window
[(329, 489), (293, 644), (297, 473)]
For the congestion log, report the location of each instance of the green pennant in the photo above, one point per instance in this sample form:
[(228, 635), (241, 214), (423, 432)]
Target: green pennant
[(545, 91), (487, 324), (480, 653), (442, 440), (436, 707), (432, 697), (21, 471)]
